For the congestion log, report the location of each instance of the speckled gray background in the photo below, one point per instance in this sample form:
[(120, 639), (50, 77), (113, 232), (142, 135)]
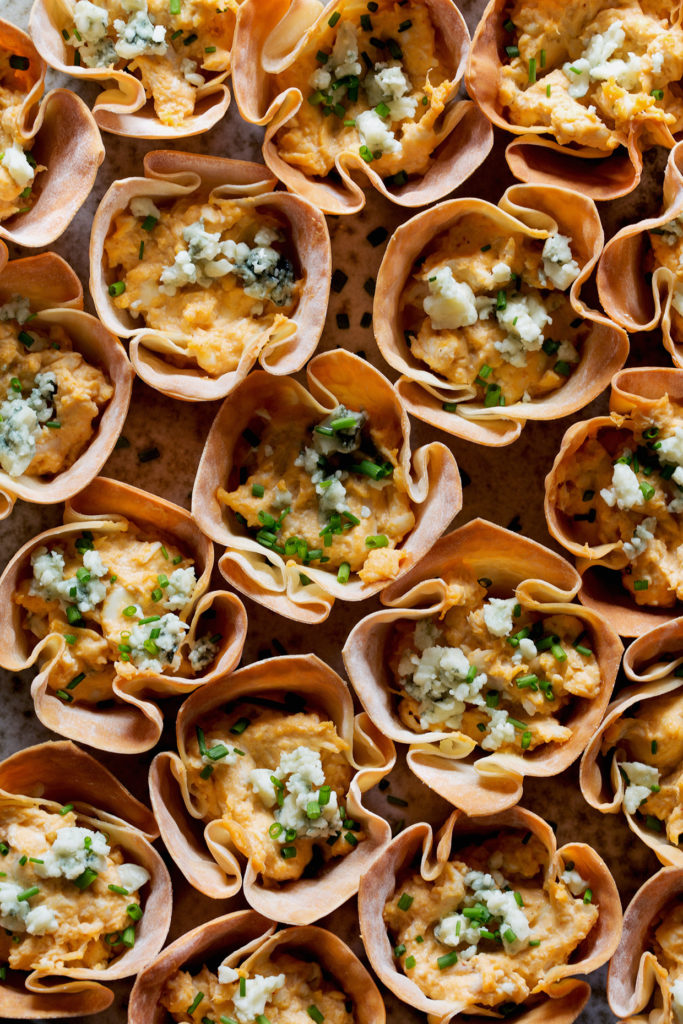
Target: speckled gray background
[(504, 485)]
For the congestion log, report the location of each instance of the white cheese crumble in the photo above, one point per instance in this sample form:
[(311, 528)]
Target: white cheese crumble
[(500, 732), (671, 448), (16, 308), (203, 652), (375, 134), (133, 876), (450, 303), (524, 318), (442, 680), (189, 72), (389, 84), (85, 591), (643, 534), (558, 262), (181, 584), (153, 645), (486, 890), (143, 206), (21, 421), (17, 166), (227, 974), (595, 64), (625, 491), (257, 992), (301, 773), (69, 856), (139, 35), (574, 882), (18, 915), (641, 779), (498, 615), (95, 48)]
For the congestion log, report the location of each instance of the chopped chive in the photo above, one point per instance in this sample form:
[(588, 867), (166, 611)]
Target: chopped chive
[(397, 801), (343, 573), (240, 725), (532, 70), (63, 695), (28, 893), (322, 57), (562, 368), (148, 454), (658, 94), (641, 584), (64, 810), (399, 950), (195, 1003), (547, 92), (509, 25), (588, 896), (315, 1014), (339, 279), (19, 63), (647, 490), (512, 51), (405, 901), (334, 19), (378, 540), (85, 879), (252, 439), (178, 32), (287, 852), (447, 960), (209, 49), (542, 58), (190, 39), (377, 236), (119, 890), (653, 747), (75, 681), (117, 288), (449, 406), (343, 322)]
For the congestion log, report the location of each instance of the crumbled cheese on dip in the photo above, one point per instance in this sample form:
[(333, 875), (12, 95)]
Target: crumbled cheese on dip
[(154, 644), (641, 780), (21, 420), (85, 589), (486, 893), (16, 308), (303, 805)]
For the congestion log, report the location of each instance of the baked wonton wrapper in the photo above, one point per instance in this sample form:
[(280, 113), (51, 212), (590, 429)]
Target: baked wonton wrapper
[(269, 38), (334, 378), (132, 723), (122, 108), (56, 295), (447, 761), (52, 775), (205, 853), (563, 996), (632, 389), (245, 938), (170, 175), (537, 211)]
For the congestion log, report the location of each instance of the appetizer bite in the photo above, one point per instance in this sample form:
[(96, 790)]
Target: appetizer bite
[(272, 765), (161, 63), (112, 609), (614, 497), (588, 87), (312, 493), (485, 666), (84, 897), (478, 307), (248, 969), (496, 921), (65, 384), (206, 270), (356, 88)]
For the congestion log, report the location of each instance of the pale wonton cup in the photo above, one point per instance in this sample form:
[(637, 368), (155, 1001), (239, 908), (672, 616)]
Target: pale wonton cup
[(170, 176), (122, 108), (205, 853), (536, 211), (599, 566), (535, 156), (651, 662), (269, 37), (132, 723), (448, 762), (416, 849), (246, 939), (56, 296), (334, 378), (49, 776)]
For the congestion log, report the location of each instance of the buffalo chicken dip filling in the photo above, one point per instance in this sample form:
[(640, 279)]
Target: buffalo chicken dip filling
[(375, 79), (213, 276), (491, 670), (118, 600), (666, 942), (495, 316), (281, 990), (593, 71), (627, 485), (174, 46), (667, 251), (278, 779), (50, 396), (328, 494), (68, 896), (17, 165)]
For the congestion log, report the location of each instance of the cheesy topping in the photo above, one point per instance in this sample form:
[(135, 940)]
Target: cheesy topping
[(592, 71), (490, 670), (215, 277), (666, 942), (17, 165)]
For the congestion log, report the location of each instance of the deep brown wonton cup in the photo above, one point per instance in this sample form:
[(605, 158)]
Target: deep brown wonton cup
[(334, 377), (56, 295), (536, 211), (52, 774), (133, 722), (169, 176), (246, 938), (269, 36), (205, 853), (417, 849)]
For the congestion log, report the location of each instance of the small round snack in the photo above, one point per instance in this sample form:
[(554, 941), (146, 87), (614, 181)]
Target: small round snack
[(485, 666), (587, 87), (272, 766), (248, 969), (161, 63), (49, 150), (613, 498), (207, 270), (65, 384), (84, 897), (316, 494), (477, 306), (112, 609), (356, 89), (495, 920)]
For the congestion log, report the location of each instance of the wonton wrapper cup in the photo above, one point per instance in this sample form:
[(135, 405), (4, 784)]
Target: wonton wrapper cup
[(536, 211), (564, 996), (635, 303), (205, 853), (122, 107), (269, 37), (56, 295), (601, 590), (535, 156), (62, 136), (336, 377), (134, 723), (475, 781), (50, 775), (170, 176), (246, 938)]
